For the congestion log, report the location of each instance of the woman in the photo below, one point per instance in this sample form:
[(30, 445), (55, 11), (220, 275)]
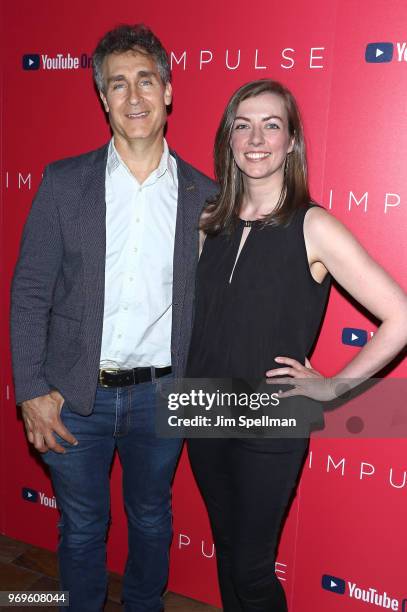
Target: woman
[(262, 284)]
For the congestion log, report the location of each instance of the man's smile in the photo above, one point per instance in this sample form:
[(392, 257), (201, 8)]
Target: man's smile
[(141, 115)]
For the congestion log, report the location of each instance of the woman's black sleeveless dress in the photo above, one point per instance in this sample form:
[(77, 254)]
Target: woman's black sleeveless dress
[(246, 314), (271, 306)]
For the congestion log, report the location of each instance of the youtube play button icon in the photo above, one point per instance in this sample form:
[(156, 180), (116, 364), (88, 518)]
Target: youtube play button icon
[(333, 584), (31, 61), (379, 53), (30, 495), (354, 336)]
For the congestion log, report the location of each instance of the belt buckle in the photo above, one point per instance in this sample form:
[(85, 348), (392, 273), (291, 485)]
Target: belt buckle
[(101, 374)]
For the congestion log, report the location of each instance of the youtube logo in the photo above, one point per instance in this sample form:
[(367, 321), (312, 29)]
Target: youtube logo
[(333, 584), (379, 53), (29, 495), (31, 61), (354, 336)]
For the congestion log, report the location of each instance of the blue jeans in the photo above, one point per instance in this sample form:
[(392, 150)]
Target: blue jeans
[(123, 418)]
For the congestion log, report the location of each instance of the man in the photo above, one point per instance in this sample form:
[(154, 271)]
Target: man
[(101, 312)]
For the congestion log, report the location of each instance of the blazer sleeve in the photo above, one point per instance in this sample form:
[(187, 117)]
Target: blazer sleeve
[(33, 285)]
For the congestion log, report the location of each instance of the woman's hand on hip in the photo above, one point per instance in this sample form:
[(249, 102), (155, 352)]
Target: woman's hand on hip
[(305, 380)]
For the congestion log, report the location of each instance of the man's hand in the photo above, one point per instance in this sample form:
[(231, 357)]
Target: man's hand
[(42, 418)]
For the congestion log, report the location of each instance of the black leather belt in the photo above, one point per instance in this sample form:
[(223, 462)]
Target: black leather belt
[(123, 378)]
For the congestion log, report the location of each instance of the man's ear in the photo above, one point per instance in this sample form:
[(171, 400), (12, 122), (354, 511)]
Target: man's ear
[(168, 94), (103, 98)]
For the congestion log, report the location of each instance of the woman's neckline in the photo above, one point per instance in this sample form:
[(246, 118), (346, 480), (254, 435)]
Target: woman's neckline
[(249, 222)]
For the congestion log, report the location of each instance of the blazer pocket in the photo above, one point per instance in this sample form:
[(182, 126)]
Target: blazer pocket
[(64, 347)]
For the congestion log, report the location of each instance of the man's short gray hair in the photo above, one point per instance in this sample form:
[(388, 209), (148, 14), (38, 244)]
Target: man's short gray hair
[(127, 38)]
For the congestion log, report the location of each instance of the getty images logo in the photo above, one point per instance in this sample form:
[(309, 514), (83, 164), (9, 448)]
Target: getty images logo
[(368, 595), (385, 52)]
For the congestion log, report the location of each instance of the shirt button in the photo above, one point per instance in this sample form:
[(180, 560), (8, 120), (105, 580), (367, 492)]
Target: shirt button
[(125, 307), (119, 335), (130, 278), (135, 249), (137, 220)]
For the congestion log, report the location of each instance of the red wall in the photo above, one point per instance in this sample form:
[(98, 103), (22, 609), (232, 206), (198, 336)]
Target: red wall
[(342, 523)]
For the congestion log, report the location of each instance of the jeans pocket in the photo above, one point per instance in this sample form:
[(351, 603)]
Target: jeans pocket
[(164, 385)]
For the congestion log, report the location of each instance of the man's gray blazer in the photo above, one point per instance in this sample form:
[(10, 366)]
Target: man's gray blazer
[(58, 285)]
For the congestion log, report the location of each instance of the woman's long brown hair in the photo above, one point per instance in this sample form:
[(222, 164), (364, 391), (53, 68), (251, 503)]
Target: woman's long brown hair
[(221, 213)]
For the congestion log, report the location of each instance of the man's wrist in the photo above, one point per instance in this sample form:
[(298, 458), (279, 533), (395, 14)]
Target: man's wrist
[(38, 390)]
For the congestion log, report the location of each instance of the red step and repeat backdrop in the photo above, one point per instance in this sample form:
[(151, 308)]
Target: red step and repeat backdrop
[(346, 62)]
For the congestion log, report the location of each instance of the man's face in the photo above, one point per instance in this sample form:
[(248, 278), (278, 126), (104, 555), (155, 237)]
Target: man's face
[(135, 97)]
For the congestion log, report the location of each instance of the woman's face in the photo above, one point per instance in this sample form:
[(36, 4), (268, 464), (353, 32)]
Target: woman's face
[(260, 139)]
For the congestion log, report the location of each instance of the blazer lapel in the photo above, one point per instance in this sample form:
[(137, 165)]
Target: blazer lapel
[(93, 242), (186, 232), (186, 247)]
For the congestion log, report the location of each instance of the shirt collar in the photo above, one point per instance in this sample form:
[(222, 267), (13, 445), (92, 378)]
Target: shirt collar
[(167, 163)]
